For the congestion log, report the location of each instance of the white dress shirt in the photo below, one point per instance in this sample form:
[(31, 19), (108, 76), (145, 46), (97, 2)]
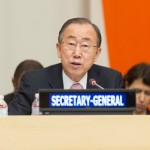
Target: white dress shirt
[(68, 82)]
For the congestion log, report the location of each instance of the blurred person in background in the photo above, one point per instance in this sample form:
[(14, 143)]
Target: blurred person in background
[(138, 78), (24, 66)]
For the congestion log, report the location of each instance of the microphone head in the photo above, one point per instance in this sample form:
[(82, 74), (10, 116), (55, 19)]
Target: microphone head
[(92, 82)]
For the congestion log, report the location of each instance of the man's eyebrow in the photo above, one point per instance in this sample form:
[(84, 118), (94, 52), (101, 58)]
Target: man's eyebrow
[(86, 39), (71, 37), (74, 37)]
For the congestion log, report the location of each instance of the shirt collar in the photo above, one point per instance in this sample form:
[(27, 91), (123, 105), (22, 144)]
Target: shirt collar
[(68, 82)]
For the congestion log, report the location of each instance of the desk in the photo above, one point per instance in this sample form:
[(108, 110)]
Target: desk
[(99, 132)]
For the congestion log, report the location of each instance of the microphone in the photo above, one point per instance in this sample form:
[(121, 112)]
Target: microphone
[(93, 83)]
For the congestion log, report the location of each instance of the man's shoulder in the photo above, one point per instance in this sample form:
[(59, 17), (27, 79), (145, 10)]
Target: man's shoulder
[(105, 76), (104, 69)]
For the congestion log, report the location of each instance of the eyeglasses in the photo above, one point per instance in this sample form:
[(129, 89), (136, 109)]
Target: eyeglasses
[(72, 46)]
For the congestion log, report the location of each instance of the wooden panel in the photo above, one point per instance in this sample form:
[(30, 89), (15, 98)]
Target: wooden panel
[(75, 132)]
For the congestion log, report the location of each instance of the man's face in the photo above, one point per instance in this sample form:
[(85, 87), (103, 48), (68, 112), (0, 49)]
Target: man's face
[(142, 95), (77, 51)]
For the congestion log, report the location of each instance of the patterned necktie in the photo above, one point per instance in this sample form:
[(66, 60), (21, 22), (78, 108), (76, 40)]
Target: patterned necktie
[(76, 86)]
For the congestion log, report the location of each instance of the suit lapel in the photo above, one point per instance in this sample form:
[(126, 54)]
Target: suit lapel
[(93, 73), (55, 77)]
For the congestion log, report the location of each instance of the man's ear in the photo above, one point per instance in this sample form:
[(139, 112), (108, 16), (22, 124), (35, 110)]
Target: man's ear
[(98, 51), (58, 46)]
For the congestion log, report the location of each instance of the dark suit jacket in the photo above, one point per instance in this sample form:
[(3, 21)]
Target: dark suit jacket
[(51, 77)]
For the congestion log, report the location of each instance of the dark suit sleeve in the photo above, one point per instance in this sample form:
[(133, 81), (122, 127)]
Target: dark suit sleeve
[(21, 105), (9, 97)]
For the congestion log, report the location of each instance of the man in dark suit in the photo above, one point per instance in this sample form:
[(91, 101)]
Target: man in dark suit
[(78, 48)]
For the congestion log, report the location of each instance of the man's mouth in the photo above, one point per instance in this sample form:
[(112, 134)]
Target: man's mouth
[(75, 63)]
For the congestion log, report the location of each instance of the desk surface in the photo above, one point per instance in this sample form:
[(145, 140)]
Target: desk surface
[(75, 132)]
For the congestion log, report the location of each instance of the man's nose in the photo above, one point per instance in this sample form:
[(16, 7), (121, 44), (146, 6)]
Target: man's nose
[(77, 51)]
